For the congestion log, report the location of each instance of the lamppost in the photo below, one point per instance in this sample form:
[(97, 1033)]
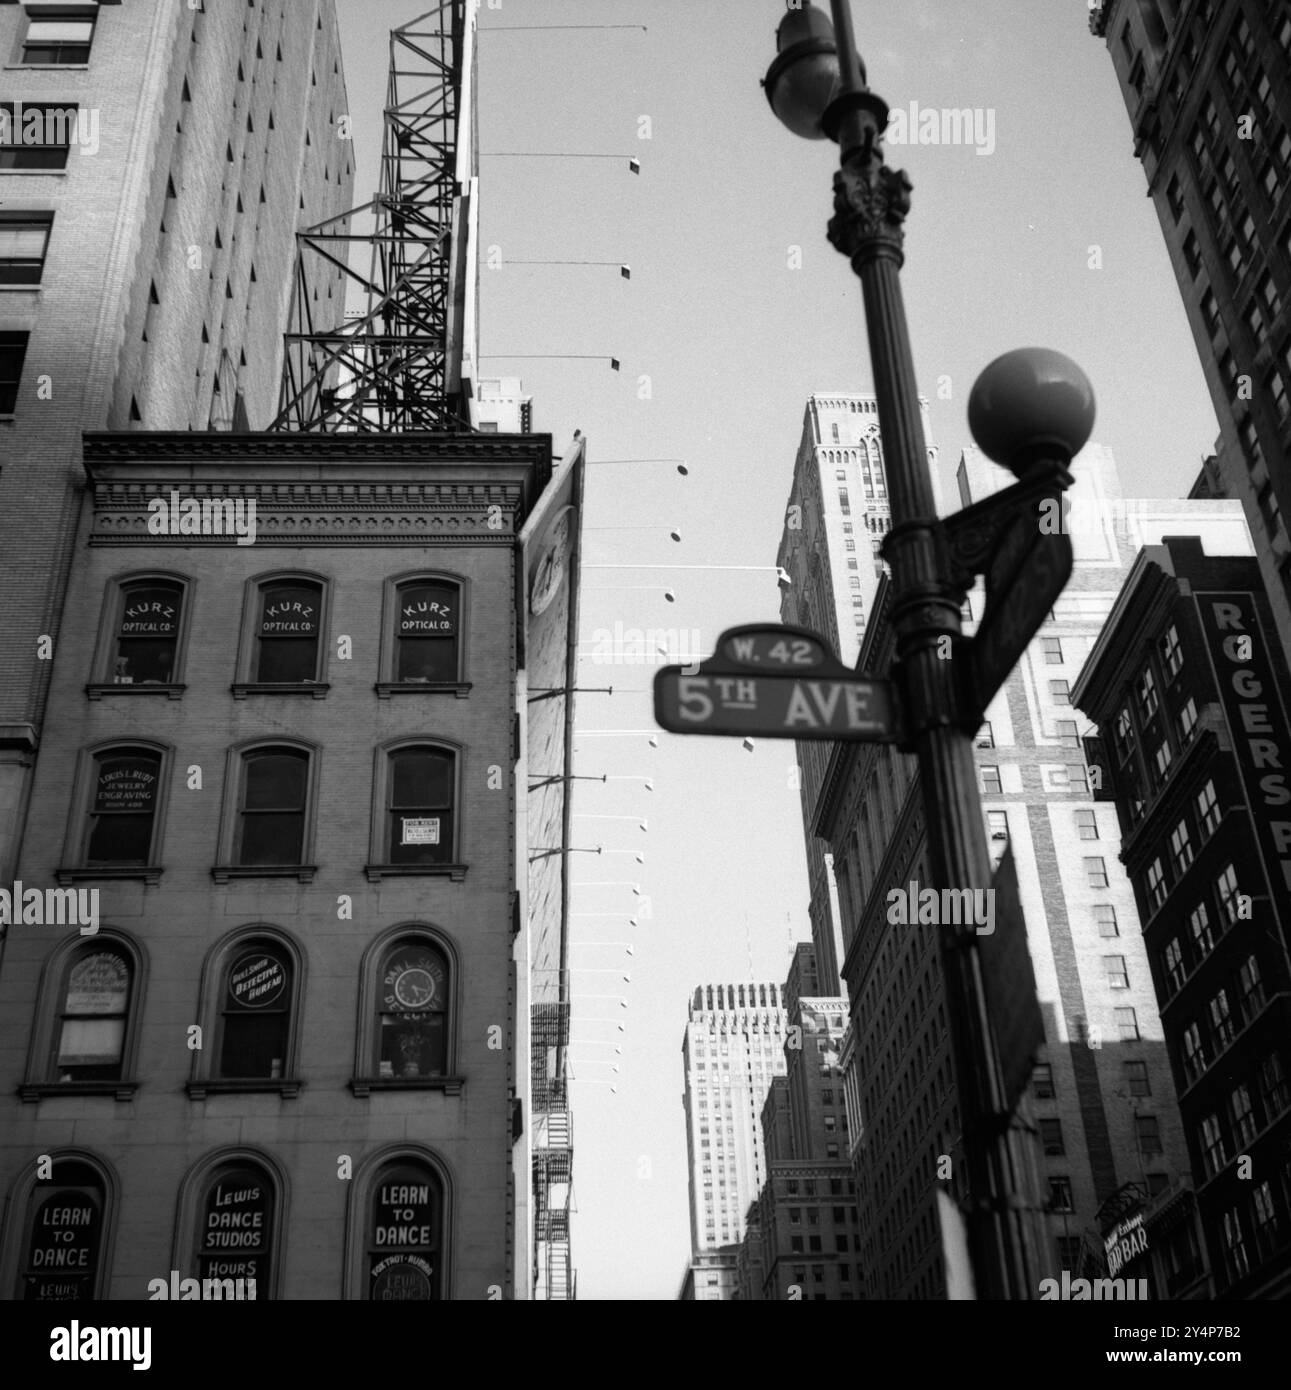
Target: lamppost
[(1032, 411)]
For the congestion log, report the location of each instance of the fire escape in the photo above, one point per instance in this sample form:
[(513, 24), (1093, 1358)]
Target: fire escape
[(553, 1139)]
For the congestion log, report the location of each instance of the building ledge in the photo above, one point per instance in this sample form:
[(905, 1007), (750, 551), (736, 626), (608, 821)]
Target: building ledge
[(286, 1087), (304, 873), (33, 1091), (149, 873), (376, 872), (387, 688), (96, 690), (365, 1085), (318, 689), (20, 738)]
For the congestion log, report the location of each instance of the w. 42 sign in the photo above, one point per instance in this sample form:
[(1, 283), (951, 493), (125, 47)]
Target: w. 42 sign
[(775, 682)]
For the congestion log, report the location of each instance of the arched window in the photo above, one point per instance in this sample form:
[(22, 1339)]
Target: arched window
[(288, 625), (94, 1009), (427, 632), (145, 647), (420, 793), (256, 998), (271, 808), (64, 1234), (250, 1015), (403, 1255), (123, 807), (236, 1232), (412, 1002)]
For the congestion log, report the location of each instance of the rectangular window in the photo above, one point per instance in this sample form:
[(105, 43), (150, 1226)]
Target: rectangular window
[(1051, 648), (986, 735), (271, 813), (1067, 734), (1042, 1081), (1105, 916), (1221, 1021), (1244, 1127), (1147, 1130), (1127, 1024), (1212, 1145), (1060, 692), (1180, 847), (1096, 871), (1136, 1079), (1228, 895), (1186, 721), (24, 239), (1051, 1138), (13, 352), (997, 825), (1147, 693), (1161, 760), (1172, 959), (1172, 651), (1194, 1052), (59, 41), (991, 784), (1156, 884), (1114, 970), (35, 135), (1060, 1198), (1086, 825)]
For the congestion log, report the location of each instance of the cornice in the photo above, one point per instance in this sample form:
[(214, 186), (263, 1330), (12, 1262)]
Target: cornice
[(313, 512), (192, 446)]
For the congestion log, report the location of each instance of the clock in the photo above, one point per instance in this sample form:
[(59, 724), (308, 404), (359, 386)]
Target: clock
[(415, 982), (549, 573)]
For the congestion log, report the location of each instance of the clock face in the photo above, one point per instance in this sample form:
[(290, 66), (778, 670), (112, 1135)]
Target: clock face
[(550, 573), (415, 981)]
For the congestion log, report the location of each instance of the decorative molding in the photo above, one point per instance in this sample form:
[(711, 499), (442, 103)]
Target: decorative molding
[(286, 1087), (376, 872), (148, 873), (387, 688), (34, 1091), (364, 1085), (303, 873), (98, 689), (318, 689)]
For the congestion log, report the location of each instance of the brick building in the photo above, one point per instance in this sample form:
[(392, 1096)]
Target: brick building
[(1190, 694), (802, 1239), (1102, 1104), (289, 771), (1207, 85), (146, 251)]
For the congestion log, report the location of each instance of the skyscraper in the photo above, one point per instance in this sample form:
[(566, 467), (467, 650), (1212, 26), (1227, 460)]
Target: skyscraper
[(835, 520), (1102, 1100), (156, 160), (1207, 84), (732, 1049), (1191, 698)]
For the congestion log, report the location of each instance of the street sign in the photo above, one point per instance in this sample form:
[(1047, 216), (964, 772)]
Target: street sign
[(774, 681), (1009, 979), (1023, 585)]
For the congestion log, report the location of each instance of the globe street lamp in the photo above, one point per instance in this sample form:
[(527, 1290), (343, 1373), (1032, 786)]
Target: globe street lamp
[(1032, 411)]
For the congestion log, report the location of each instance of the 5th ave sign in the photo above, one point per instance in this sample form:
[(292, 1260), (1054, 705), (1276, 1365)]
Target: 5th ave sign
[(775, 682)]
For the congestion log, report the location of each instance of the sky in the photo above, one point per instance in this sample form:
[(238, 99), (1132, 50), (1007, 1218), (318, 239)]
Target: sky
[(737, 310)]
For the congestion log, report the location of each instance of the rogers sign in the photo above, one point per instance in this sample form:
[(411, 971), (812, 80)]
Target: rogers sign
[(1239, 653)]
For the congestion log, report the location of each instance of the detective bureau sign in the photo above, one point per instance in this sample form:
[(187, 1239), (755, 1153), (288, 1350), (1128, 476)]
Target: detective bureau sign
[(775, 682)]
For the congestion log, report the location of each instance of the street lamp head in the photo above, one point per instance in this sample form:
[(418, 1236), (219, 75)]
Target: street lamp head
[(804, 78), (1030, 406)]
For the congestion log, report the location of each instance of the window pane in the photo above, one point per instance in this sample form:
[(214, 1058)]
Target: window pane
[(121, 820), (148, 635), (272, 838), (421, 778), (288, 633), (237, 1220), (427, 633), (275, 781), (255, 1045), (403, 1235)]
